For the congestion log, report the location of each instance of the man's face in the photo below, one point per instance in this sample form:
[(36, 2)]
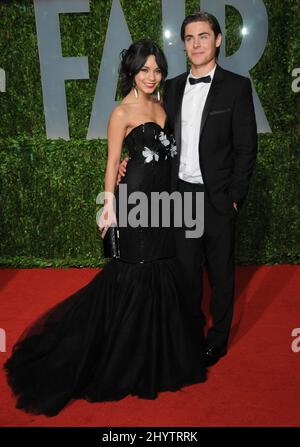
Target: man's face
[(200, 43)]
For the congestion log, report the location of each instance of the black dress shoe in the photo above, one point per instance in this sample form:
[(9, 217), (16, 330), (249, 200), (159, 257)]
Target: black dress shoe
[(212, 355)]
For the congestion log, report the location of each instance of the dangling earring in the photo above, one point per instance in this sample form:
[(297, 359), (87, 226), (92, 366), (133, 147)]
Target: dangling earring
[(136, 93), (158, 95)]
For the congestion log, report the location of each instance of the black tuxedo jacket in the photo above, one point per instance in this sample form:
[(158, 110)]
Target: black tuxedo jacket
[(228, 136)]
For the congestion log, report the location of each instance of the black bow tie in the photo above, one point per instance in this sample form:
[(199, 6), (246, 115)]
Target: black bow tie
[(206, 79)]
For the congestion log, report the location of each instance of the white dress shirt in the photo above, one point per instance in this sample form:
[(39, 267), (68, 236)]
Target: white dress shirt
[(194, 99)]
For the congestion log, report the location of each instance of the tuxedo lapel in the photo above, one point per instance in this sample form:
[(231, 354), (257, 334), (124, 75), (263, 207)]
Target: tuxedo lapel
[(212, 95)]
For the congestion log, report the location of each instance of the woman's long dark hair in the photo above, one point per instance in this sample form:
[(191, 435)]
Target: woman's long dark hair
[(133, 59)]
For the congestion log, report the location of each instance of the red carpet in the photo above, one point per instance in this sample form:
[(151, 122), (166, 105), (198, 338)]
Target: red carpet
[(256, 384)]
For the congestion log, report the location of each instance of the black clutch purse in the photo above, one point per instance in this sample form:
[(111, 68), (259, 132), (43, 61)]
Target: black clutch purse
[(111, 244)]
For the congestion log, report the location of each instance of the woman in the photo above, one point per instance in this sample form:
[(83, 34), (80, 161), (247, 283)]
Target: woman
[(127, 331)]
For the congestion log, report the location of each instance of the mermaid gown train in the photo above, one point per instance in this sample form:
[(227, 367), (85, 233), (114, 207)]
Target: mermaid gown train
[(128, 331)]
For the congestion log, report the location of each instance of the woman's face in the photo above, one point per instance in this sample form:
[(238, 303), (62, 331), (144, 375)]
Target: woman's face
[(149, 76)]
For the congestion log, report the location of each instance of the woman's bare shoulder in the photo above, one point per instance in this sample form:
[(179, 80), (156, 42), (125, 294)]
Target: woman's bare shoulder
[(119, 111), (119, 115), (126, 109)]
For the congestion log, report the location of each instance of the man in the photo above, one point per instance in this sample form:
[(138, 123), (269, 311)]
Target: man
[(212, 114)]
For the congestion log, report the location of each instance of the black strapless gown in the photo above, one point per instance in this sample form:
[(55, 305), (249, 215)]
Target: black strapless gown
[(128, 331)]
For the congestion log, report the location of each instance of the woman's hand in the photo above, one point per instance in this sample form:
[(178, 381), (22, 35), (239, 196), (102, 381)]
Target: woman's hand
[(107, 219)]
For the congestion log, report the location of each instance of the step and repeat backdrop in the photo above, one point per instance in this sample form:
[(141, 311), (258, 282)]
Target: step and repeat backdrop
[(58, 85)]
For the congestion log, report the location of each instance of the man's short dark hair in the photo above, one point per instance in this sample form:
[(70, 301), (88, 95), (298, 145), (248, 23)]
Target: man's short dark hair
[(202, 16)]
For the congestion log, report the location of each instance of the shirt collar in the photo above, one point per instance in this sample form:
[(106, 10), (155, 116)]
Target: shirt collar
[(210, 73)]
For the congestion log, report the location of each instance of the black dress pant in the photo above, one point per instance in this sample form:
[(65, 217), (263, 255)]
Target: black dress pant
[(216, 245)]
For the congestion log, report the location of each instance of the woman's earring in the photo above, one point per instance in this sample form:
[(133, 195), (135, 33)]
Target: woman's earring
[(158, 95), (136, 93)]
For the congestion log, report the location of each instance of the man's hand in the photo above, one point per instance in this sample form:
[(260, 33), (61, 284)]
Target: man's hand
[(122, 169), (235, 206)]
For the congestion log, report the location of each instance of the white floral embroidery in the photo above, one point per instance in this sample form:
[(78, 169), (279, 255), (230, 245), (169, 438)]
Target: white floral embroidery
[(163, 139), (149, 154), (173, 151)]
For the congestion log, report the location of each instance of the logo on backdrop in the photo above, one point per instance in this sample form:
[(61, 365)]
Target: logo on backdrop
[(56, 69)]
